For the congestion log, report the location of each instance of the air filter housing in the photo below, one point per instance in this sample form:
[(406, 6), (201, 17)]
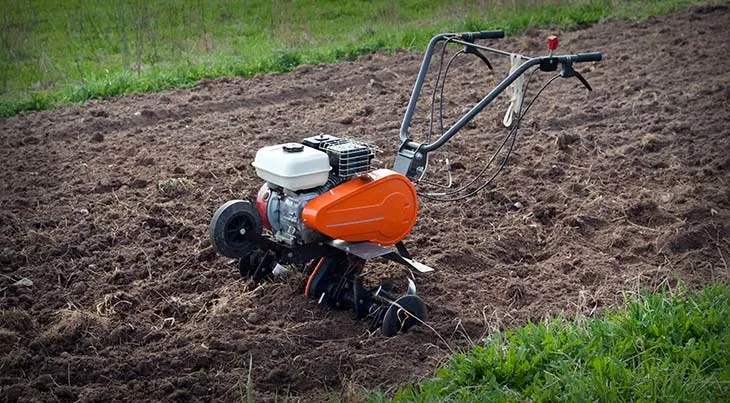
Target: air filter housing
[(347, 158)]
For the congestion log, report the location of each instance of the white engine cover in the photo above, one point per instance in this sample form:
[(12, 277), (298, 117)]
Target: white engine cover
[(292, 166)]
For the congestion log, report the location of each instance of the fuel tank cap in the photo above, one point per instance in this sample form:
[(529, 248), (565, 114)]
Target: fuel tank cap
[(293, 148)]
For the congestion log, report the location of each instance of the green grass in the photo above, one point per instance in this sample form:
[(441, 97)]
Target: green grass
[(666, 346), (58, 52)]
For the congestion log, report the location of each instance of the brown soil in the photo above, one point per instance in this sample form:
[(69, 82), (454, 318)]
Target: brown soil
[(105, 207)]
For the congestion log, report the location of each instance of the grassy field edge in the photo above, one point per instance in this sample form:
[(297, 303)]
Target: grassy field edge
[(670, 345), (413, 36)]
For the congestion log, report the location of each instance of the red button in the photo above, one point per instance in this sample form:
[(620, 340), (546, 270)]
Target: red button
[(552, 42)]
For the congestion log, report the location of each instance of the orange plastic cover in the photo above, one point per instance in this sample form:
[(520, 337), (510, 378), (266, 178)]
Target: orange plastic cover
[(379, 207)]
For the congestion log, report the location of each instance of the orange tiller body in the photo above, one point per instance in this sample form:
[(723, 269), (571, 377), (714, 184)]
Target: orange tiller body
[(379, 207)]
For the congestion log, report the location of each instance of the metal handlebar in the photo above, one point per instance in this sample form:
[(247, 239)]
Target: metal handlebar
[(588, 57), (542, 61), (412, 156), (470, 36)]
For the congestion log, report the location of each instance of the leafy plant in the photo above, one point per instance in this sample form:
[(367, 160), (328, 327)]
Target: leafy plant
[(665, 346)]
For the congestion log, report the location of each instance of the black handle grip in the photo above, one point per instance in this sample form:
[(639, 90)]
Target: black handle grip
[(588, 57), (493, 34)]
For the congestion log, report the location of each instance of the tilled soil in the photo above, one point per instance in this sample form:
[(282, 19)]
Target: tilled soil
[(110, 289)]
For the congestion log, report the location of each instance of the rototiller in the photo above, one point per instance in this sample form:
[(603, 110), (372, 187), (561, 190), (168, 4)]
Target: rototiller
[(323, 208)]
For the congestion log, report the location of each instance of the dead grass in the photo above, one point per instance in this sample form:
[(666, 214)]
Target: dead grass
[(176, 186), (71, 326)]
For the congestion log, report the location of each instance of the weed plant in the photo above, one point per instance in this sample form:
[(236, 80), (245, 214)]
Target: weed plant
[(666, 346)]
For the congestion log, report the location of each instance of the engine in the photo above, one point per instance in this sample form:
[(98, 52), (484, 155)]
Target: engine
[(328, 212), (297, 173)]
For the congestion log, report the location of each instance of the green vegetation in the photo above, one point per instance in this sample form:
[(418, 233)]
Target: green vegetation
[(667, 346), (56, 52)]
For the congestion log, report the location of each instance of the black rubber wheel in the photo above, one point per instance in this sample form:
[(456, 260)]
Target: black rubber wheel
[(402, 315), (235, 228)]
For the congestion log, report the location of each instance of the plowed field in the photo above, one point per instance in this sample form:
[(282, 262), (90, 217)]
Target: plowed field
[(110, 289)]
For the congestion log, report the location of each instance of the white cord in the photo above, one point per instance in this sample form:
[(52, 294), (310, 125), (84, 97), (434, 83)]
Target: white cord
[(516, 89)]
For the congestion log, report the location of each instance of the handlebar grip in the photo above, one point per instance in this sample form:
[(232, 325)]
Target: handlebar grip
[(588, 57), (493, 34)]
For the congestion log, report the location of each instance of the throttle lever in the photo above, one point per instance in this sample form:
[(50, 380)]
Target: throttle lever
[(583, 81), (475, 51), (568, 71)]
